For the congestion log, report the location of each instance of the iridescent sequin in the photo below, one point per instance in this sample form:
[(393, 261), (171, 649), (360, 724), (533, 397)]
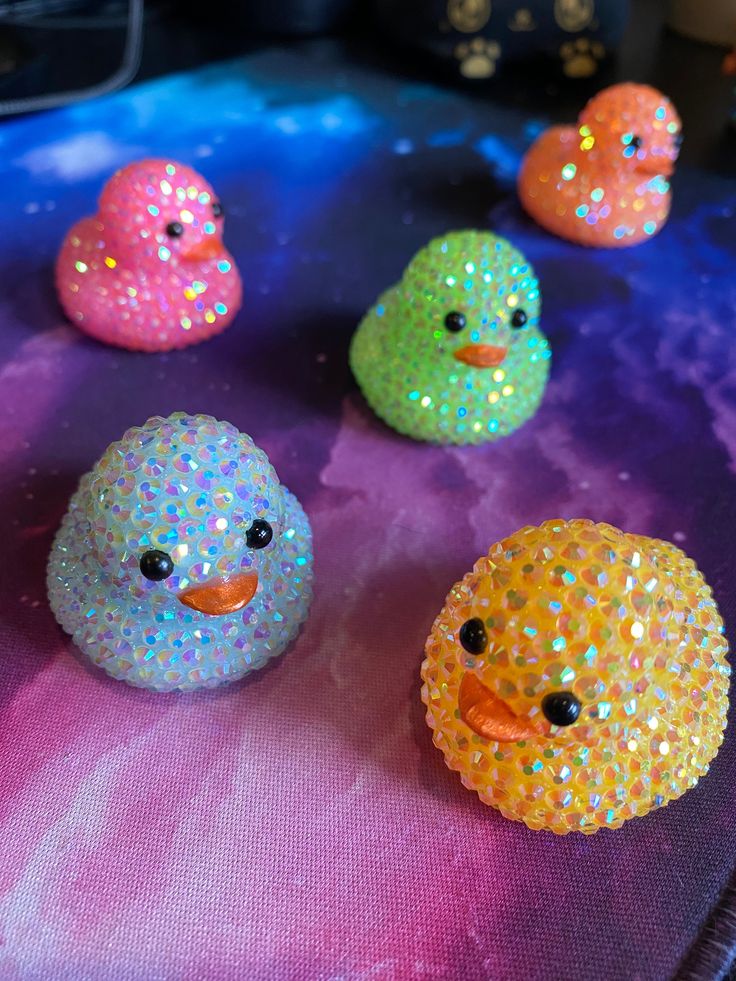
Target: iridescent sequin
[(605, 181), (149, 271), (453, 353), (625, 624), (189, 486)]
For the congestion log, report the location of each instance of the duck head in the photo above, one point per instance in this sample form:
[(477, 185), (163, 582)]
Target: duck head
[(186, 516), (568, 632), (631, 127), (159, 211), (468, 303)]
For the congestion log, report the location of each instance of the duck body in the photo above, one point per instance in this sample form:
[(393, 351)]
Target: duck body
[(605, 181), (453, 352), (181, 562), (577, 677), (149, 271)]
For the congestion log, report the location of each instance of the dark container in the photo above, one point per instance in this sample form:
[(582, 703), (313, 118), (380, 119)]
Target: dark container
[(475, 38)]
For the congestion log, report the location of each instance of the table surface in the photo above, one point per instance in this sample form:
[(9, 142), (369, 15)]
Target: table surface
[(301, 824)]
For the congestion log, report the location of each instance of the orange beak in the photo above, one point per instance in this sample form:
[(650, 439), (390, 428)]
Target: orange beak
[(208, 247), (481, 355), (655, 166), (221, 596), (489, 716)]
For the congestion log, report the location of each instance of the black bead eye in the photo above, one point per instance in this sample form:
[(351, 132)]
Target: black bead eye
[(156, 565), (561, 708), (259, 534), (217, 209), (455, 321), (636, 142), (473, 636), (518, 318), (175, 229)]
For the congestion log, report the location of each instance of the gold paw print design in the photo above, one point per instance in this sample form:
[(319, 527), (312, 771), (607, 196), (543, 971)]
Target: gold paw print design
[(478, 57), (581, 58)]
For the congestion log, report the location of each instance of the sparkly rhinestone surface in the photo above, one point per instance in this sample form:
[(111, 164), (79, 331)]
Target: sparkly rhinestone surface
[(149, 271), (191, 487), (623, 624), (605, 181), (453, 353)]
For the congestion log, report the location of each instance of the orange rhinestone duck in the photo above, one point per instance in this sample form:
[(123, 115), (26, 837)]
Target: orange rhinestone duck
[(605, 182), (577, 677)]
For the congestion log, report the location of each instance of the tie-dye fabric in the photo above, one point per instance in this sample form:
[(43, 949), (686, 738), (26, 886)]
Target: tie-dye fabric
[(300, 824)]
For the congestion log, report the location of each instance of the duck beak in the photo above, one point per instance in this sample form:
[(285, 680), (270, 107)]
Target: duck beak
[(481, 355), (208, 247), (221, 596), (489, 716), (657, 166)]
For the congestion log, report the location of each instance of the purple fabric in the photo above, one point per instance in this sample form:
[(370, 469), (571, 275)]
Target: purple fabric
[(301, 824)]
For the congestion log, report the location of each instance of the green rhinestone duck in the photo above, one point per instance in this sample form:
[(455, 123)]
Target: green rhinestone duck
[(453, 352)]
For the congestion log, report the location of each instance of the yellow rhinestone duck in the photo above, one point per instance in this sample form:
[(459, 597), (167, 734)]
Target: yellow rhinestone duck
[(577, 677)]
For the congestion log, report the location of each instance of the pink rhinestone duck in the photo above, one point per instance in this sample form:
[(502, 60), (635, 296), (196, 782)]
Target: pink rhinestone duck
[(149, 271)]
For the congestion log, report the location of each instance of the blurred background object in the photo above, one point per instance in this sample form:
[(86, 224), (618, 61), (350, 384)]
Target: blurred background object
[(51, 51), (712, 21), (476, 37), (546, 57)]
